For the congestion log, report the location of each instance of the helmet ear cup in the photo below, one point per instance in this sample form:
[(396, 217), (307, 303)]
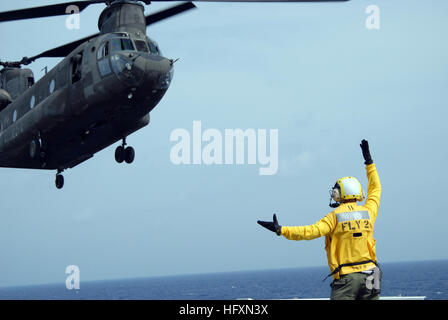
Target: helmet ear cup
[(336, 193)]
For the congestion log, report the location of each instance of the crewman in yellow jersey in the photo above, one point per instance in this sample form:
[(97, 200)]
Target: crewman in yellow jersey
[(348, 231)]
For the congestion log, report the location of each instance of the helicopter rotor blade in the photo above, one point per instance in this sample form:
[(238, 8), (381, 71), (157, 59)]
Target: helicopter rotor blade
[(45, 11), (66, 49), (59, 9), (167, 13), (256, 0), (59, 52), (62, 8)]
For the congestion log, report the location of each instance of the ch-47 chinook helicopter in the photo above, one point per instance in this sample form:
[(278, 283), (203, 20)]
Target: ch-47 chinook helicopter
[(101, 92)]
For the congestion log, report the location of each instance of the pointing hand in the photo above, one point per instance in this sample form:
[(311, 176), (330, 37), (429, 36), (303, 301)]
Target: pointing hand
[(272, 226)]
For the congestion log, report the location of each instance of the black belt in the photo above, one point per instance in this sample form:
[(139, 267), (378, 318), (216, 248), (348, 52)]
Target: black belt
[(351, 264)]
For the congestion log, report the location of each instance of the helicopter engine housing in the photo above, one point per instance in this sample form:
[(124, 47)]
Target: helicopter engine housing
[(16, 81)]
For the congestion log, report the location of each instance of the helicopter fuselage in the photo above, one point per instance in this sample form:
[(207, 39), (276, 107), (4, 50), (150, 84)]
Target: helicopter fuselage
[(97, 95)]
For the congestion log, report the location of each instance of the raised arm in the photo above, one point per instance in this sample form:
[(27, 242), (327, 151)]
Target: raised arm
[(374, 188)]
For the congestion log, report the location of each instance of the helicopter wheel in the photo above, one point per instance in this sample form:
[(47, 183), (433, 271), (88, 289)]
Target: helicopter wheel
[(59, 181), (129, 155), (119, 154)]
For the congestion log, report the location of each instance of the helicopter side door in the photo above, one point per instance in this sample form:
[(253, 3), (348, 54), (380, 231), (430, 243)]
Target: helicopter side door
[(76, 80)]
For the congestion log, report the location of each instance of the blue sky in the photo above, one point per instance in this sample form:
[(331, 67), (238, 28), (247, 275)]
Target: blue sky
[(312, 71)]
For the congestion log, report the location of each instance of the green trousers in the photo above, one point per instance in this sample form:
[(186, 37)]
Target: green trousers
[(352, 287)]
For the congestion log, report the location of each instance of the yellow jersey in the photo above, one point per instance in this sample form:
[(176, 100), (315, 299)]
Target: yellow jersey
[(348, 231)]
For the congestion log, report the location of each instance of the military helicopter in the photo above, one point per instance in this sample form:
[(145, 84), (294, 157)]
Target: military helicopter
[(102, 91)]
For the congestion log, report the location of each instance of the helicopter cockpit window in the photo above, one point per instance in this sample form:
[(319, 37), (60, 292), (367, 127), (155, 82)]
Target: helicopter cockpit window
[(103, 62), (153, 48), (103, 50), (141, 46), (121, 44)]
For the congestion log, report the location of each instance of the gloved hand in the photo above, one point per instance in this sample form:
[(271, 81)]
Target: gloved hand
[(366, 152), (273, 226)]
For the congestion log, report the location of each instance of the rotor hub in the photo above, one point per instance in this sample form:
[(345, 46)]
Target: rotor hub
[(122, 16)]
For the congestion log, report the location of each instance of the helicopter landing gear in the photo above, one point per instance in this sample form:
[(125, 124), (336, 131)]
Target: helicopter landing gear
[(129, 155), (119, 154), (59, 179), (123, 153)]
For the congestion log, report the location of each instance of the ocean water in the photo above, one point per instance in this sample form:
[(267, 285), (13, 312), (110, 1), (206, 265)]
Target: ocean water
[(424, 278)]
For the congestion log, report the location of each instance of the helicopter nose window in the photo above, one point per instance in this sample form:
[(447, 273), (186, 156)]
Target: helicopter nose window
[(153, 48), (141, 46), (121, 44)]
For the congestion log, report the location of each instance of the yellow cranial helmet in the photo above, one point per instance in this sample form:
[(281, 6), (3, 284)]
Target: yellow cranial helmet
[(347, 188)]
